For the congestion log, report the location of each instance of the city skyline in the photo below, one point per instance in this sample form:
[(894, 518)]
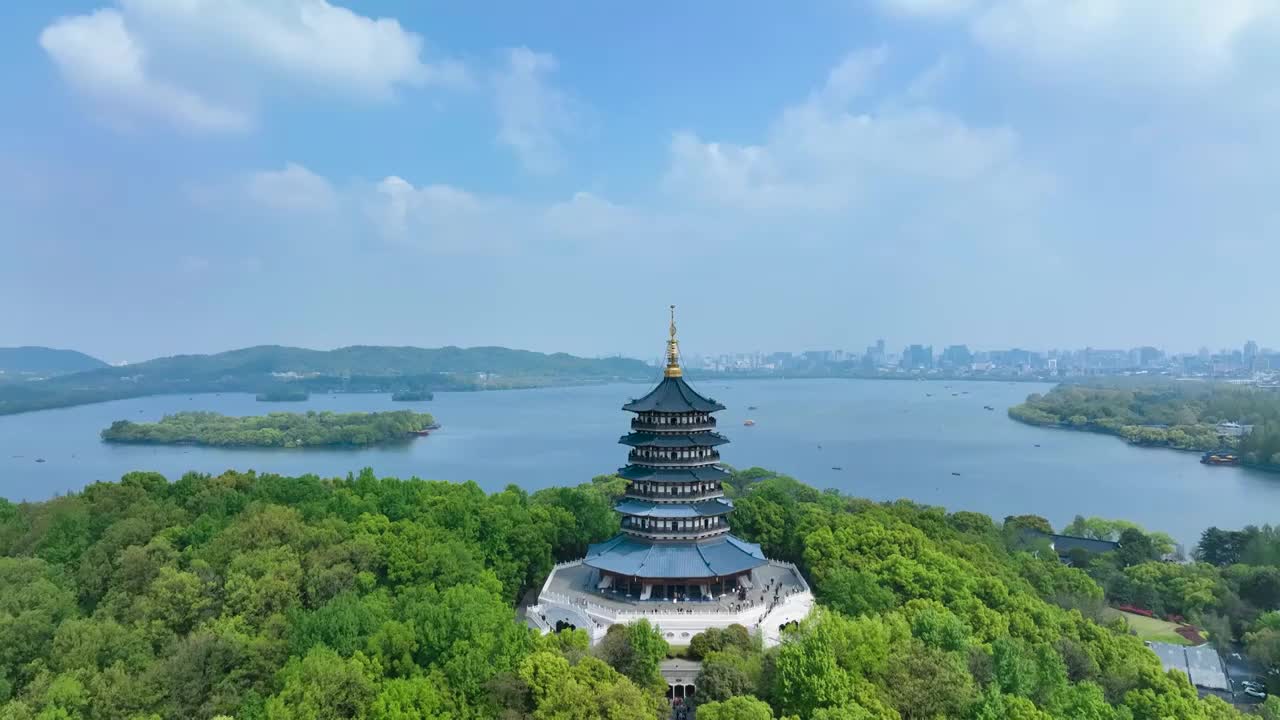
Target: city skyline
[(938, 351)]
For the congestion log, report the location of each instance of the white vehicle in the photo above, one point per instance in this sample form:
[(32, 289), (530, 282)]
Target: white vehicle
[(1255, 693)]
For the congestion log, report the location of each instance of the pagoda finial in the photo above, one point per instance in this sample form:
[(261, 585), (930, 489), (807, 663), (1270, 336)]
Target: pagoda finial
[(673, 349)]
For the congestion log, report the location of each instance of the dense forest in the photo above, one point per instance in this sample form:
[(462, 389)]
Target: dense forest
[(283, 430), (350, 369), (1177, 415), (273, 597)]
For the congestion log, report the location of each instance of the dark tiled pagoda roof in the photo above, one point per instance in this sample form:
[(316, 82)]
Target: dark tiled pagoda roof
[(706, 473), (673, 395), (642, 439), (718, 557), (644, 508)]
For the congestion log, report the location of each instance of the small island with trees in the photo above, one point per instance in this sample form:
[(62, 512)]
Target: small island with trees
[(411, 396), (280, 430), (1200, 416), (284, 395)]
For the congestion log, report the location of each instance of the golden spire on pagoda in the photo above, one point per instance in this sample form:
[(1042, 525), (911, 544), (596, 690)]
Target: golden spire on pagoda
[(673, 349)]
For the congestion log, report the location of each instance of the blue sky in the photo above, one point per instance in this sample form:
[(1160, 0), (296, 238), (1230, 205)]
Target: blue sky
[(206, 174)]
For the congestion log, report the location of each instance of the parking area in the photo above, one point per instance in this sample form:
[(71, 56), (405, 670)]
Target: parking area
[(1241, 671)]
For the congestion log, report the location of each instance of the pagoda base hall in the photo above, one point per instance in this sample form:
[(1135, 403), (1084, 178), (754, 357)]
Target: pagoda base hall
[(674, 561)]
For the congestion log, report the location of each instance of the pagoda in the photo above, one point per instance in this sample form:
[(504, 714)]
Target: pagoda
[(675, 542), (674, 561)]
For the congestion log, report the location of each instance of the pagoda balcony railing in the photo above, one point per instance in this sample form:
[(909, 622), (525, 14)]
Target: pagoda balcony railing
[(674, 497), (692, 534), (642, 426), (666, 462)]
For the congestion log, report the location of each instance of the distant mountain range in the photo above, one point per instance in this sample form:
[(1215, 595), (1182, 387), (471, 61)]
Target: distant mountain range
[(43, 361), (359, 368)]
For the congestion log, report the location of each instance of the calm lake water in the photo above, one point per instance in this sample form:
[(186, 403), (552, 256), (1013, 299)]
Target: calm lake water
[(891, 439)]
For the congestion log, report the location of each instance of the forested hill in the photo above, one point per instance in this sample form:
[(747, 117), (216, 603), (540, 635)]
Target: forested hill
[(358, 368), (279, 598), (43, 361), (386, 360)]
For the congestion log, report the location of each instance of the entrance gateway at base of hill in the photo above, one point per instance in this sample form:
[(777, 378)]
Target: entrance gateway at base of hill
[(674, 561)]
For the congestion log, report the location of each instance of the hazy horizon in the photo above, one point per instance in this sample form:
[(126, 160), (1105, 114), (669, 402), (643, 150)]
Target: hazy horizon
[(198, 177)]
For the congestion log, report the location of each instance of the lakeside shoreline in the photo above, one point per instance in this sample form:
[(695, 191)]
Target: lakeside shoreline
[(1093, 428), (534, 385)]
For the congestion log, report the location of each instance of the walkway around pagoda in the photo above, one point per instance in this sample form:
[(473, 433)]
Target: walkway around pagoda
[(778, 596)]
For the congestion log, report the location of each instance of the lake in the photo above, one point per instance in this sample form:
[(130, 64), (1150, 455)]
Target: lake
[(891, 439)]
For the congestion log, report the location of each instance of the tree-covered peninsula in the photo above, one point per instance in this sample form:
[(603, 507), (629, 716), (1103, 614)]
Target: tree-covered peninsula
[(282, 430), (1183, 415), (274, 597)]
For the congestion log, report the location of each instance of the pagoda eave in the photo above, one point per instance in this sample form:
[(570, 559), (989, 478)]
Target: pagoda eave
[(723, 556), (673, 395), (704, 508), (706, 473), (645, 439)]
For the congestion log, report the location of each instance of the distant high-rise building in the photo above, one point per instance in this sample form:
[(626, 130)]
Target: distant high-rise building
[(1015, 357), (874, 356), (957, 356), (1149, 356), (918, 357)]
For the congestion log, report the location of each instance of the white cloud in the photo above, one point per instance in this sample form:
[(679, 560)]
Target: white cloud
[(590, 217), (435, 218), (824, 155), (837, 162), (442, 218), (202, 64), (1154, 43), (293, 188), (99, 57), (330, 46), (533, 114), (1170, 42)]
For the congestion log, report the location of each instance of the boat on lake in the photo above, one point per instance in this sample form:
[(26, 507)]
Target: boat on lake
[(748, 423), (1220, 458)]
